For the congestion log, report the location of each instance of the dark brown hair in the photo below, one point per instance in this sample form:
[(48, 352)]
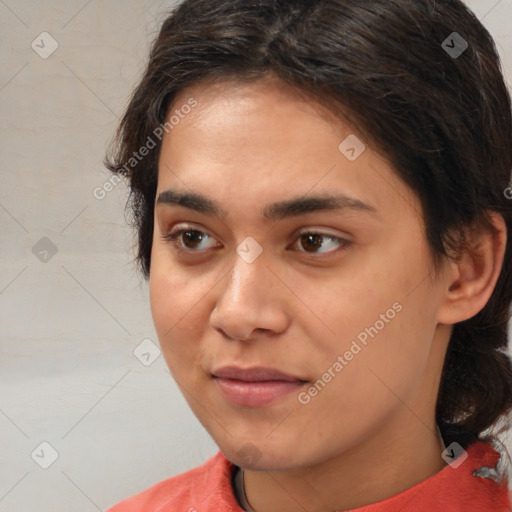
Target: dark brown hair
[(442, 120)]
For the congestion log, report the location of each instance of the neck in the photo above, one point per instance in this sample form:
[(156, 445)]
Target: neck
[(353, 478)]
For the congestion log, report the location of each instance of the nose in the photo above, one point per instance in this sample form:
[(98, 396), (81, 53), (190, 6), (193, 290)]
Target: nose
[(251, 301)]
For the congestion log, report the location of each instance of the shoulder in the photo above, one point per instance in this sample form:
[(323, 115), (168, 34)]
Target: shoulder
[(477, 481), (206, 487), (466, 484), (461, 486)]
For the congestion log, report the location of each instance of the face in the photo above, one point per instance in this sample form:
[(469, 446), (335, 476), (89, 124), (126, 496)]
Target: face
[(262, 271)]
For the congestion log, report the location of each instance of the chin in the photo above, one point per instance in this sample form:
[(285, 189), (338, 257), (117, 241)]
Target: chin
[(262, 455)]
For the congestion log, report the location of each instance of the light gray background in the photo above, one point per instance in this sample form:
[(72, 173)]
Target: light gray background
[(69, 325)]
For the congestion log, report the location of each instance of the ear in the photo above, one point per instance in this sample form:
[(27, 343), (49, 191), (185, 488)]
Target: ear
[(470, 280)]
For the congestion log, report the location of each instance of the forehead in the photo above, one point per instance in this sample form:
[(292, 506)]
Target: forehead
[(267, 100), (251, 126), (266, 139)]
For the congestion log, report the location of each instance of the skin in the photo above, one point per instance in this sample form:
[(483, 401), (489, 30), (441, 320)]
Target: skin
[(297, 308)]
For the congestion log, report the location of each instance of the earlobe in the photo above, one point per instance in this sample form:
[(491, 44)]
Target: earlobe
[(470, 280)]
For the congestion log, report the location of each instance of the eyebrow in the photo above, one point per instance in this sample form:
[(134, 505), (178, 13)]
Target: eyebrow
[(272, 212)]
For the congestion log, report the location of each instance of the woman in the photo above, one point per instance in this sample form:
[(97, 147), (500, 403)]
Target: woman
[(318, 193)]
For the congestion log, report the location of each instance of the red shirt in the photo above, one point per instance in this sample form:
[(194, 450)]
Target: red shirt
[(208, 488)]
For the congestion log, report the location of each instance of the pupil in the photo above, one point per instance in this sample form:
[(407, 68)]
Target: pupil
[(310, 239), (193, 236)]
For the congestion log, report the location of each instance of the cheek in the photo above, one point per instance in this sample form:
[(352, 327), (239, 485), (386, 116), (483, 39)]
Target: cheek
[(380, 322), (175, 301), (391, 362), (372, 380), (346, 305), (173, 290)]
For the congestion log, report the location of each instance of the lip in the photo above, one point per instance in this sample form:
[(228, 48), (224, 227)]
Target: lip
[(253, 374), (256, 386)]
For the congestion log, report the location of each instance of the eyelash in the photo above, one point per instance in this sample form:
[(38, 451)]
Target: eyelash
[(174, 239)]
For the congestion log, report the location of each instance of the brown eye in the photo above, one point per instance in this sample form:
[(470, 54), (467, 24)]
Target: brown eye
[(191, 238), (188, 239), (311, 242)]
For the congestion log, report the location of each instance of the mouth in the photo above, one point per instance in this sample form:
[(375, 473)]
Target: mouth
[(255, 387)]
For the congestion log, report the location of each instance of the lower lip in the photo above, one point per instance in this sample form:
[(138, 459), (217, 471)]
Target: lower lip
[(256, 394)]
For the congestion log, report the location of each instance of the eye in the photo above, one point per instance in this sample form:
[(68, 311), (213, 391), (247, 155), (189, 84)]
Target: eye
[(188, 239), (191, 240), (312, 241)]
